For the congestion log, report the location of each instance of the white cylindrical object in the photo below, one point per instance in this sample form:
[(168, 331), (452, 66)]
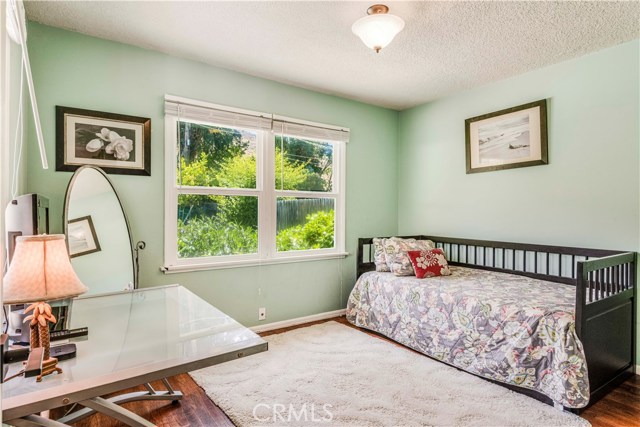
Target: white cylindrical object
[(18, 33)]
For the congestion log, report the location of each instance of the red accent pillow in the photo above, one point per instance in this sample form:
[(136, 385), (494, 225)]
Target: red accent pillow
[(429, 263)]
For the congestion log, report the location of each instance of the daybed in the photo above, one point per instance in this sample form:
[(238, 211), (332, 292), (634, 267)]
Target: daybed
[(555, 323)]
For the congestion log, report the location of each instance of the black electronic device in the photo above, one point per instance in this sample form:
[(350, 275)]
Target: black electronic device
[(66, 334), (16, 354), (60, 352), (33, 365)]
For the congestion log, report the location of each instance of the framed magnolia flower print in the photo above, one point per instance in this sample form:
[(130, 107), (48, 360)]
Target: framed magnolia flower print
[(505, 139), (117, 143)]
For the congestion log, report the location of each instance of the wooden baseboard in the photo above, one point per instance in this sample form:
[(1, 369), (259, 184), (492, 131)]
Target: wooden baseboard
[(297, 321)]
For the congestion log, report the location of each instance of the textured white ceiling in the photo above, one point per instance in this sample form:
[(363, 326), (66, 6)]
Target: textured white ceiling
[(445, 46)]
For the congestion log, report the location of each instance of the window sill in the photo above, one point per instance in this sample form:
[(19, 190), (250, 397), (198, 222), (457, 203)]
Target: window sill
[(185, 268)]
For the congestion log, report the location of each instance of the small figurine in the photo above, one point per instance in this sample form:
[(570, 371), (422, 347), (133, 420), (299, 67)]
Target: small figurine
[(40, 335)]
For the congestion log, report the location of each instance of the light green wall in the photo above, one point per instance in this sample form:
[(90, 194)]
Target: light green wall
[(587, 196), (74, 70)]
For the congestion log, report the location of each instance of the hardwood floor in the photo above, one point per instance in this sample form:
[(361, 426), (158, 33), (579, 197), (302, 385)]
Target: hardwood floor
[(620, 408)]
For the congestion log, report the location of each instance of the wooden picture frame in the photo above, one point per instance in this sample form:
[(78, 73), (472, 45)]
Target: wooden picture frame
[(512, 138), (117, 143), (82, 237)]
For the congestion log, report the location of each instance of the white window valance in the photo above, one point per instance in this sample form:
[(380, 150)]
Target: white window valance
[(219, 116), (226, 116), (304, 130)]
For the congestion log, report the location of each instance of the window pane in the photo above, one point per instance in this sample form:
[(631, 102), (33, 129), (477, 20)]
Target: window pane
[(213, 156), (217, 225), (304, 224), (303, 165)]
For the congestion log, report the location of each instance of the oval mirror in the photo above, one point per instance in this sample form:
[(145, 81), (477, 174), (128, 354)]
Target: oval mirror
[(98, 233)]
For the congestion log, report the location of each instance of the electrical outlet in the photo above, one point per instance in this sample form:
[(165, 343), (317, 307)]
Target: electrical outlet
[(262, 313)]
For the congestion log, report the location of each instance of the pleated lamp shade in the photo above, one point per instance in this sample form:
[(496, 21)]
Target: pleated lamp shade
[(40, 271)]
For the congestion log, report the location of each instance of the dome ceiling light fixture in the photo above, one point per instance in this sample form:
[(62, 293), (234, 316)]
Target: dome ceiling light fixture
[(378, 28)]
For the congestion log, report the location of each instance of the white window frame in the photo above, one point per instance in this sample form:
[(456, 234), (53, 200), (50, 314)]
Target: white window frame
[(267, 197)]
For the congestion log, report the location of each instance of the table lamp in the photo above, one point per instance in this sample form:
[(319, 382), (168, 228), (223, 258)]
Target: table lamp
[(41, 271)]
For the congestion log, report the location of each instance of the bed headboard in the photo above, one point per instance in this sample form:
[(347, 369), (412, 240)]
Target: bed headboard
[(553, 263)]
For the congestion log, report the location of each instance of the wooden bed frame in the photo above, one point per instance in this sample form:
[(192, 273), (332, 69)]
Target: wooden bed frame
[(606, 295)]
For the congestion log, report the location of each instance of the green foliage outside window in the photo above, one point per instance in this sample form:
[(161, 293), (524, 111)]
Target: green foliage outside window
[(225, 225), (206, 236), (315, 233), (218, 144)]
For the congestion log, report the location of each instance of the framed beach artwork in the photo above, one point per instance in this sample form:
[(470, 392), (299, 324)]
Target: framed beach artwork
[(506, 139), (82, 237), (116, 143)]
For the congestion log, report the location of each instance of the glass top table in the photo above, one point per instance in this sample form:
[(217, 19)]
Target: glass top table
[(134, 337)]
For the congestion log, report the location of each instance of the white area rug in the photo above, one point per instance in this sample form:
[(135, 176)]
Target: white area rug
[(333, 375)]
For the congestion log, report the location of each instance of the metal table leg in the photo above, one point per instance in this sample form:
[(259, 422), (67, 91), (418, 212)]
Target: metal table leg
[(109, 407), (35, 421), (118, 412), (150, 394)]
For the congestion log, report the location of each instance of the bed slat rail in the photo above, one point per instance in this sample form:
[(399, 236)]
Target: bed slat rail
[(555, 263)]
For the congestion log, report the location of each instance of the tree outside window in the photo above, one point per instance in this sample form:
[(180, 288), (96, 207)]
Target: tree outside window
[(227, 158)]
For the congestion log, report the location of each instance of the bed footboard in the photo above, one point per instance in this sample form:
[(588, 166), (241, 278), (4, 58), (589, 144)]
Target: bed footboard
[(606, 298)]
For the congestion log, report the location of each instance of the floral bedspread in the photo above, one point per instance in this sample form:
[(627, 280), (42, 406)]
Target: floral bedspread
[(505, 327)]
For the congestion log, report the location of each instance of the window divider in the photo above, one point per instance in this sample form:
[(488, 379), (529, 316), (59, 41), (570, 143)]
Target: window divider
[(217, 191), (307, 194), (267, 209), (170, 192), (341, 211)]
